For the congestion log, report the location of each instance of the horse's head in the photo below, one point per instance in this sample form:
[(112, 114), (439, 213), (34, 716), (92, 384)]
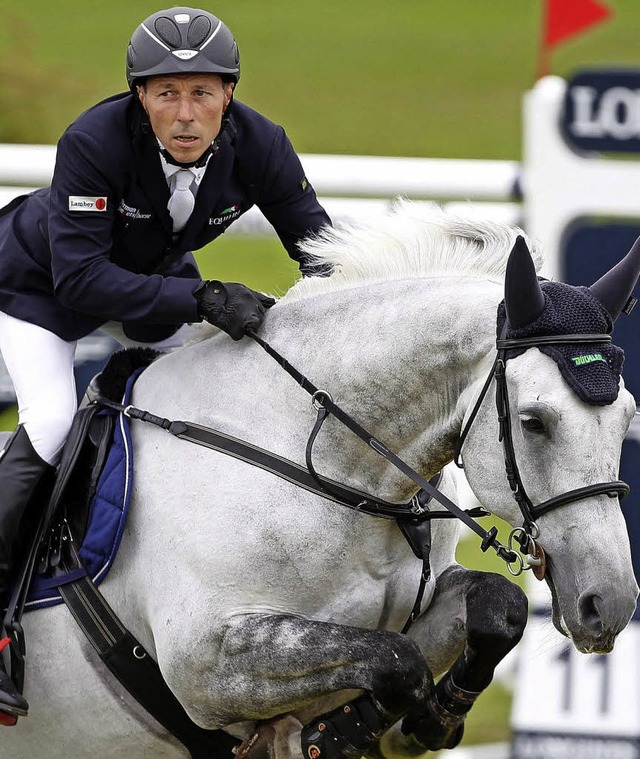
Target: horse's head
[(564, 414)]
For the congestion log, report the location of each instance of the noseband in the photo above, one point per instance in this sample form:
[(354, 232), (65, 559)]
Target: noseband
[(527, 535)]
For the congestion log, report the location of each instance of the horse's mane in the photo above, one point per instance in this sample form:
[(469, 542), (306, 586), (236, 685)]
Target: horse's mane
[(413, 240)]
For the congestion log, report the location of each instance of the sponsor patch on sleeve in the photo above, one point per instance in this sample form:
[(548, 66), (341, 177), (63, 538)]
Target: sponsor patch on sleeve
[(85, 203)]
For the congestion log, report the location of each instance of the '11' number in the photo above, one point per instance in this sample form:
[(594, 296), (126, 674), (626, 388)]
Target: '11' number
[(567, 659)]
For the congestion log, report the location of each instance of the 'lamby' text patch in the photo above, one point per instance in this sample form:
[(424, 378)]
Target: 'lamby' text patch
[(84, 203)]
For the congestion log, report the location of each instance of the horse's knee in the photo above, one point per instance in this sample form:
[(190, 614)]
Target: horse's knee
[(496, 614), (403, 679)]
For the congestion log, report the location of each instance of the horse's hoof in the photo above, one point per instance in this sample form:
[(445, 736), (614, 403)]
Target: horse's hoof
[(259, 746)]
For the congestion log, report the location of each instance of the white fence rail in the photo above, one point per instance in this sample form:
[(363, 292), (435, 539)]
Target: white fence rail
[(350, 187), (341, 175)]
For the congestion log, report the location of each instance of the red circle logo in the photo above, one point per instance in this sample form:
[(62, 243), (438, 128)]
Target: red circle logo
[(101, 204)]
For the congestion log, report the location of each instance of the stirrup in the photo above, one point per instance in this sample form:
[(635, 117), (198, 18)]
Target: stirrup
[(9, 712)]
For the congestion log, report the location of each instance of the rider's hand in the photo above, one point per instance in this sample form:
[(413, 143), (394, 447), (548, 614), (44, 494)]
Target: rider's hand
[(232, 307)]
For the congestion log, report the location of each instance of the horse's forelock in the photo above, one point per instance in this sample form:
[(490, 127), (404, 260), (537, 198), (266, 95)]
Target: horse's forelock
[(413, 240)]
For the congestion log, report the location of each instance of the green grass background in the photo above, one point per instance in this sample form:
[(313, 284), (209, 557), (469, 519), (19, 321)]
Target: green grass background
[(413, 78), (429, 78)]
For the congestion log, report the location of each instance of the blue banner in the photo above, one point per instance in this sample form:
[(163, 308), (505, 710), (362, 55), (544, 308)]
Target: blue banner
[(602, 111)]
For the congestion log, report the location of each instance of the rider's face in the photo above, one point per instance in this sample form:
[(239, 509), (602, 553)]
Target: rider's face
[(185, 111)]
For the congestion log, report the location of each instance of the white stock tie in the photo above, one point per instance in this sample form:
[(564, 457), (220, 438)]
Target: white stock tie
[(182, 200)]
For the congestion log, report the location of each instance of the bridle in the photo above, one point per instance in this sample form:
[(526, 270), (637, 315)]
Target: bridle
[(527, 535)]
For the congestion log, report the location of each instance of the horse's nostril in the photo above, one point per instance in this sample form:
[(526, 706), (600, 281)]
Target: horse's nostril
[(589, 605)]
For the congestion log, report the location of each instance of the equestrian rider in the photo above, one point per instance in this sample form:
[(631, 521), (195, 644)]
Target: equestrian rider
[(141, 179)]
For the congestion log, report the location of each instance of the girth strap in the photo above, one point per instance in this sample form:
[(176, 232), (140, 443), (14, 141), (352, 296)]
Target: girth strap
[(119, 650), (128, 661)]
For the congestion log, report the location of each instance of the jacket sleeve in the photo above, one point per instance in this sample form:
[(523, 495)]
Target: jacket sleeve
[(84, 277), (287, 199)]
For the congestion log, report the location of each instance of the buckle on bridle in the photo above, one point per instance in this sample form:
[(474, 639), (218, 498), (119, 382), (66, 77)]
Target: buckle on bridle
[(319, 399), (534, 558)]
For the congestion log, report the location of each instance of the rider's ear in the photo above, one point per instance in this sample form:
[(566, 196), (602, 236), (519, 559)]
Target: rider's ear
[(523, 297), (141, 94), (614, 288)]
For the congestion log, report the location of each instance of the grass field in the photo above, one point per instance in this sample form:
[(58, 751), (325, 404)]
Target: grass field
[(412, 77)]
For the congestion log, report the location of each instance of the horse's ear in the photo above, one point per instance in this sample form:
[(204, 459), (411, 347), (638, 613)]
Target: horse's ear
[(523, 297), (614, 288)]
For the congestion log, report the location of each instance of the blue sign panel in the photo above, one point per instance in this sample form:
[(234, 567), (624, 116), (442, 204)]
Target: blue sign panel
[(590, 250), (602, 111)]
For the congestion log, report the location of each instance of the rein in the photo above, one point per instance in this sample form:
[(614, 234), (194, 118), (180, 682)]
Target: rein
[(325, 405)]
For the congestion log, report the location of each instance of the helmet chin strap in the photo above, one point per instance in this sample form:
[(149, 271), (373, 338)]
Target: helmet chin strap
[(202, 161), (190, 164)]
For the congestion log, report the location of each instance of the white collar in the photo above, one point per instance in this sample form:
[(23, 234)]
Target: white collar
[(170, 169)]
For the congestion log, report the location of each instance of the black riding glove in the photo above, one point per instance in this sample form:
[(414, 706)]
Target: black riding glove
[(232, 307)]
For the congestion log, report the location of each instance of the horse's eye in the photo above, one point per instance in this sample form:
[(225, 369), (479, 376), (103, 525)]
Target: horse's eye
[(532, 424)]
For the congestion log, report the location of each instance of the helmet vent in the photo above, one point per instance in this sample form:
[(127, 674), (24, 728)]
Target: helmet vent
[(199, 30), (168, 32)]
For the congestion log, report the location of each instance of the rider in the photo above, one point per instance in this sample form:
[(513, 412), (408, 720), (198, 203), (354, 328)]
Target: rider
[(141, 179)]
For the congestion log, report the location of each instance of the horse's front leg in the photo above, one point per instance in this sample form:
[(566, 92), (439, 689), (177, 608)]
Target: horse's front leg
[(276, 664), (475, 619)]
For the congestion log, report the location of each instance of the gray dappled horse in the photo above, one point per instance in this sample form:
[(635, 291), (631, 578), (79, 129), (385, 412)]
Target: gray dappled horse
[(268, 607)]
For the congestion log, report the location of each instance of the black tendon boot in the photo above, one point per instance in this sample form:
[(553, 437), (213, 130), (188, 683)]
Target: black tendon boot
[(21, 469), (345, 733)]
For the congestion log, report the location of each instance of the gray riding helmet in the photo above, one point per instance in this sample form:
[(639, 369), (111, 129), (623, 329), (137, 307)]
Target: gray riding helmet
[(182, 41)]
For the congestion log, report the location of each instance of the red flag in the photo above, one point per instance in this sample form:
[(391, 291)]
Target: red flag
[(565, 18)]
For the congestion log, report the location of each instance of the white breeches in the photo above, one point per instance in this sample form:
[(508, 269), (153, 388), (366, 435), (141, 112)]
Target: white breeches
[(40, 365)]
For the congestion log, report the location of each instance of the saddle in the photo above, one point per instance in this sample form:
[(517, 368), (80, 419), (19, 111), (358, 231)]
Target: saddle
[(74, 515)]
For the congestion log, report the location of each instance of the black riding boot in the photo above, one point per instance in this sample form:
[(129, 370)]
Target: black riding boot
[(21, 469)]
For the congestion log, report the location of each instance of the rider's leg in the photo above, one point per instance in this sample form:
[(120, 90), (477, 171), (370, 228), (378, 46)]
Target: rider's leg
[(40, 365), (180, 337)]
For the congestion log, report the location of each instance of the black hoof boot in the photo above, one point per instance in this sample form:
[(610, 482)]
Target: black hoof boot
[(12, 704), (441, 724), (344, 733)]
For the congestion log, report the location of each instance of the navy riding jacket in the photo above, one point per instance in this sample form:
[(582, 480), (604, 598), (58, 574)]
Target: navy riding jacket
[(98, 244)]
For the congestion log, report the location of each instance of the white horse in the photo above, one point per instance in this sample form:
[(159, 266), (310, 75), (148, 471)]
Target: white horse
[(265, 604)]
